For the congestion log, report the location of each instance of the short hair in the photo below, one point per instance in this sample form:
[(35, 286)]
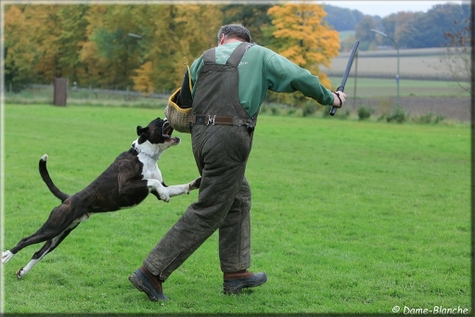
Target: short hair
[(235, 30)]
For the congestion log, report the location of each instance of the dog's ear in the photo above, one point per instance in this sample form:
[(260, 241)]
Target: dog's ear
[(142, 133), (139, 130)]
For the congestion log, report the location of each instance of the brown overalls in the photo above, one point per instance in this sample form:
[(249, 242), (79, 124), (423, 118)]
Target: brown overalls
[(221, 140)]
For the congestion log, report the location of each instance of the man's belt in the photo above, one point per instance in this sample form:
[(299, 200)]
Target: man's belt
[(221, 120)]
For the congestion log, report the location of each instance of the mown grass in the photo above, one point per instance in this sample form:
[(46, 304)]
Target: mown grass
[(348, 217)]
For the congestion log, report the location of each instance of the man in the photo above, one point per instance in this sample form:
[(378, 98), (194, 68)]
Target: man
[(230, 83)]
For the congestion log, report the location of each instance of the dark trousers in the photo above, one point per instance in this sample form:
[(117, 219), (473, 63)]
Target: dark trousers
[(224, 203)]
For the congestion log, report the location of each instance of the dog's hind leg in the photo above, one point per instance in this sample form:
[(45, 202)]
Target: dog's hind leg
[(35, 259), (6, 256), (49, 246), (34, 238), (57, 222), (45, 233)]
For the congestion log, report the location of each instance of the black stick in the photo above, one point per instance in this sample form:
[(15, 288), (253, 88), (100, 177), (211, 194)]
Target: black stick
[(346, 74)]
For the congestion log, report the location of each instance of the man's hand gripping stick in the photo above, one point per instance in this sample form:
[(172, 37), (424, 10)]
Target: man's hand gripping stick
[(346, 74)]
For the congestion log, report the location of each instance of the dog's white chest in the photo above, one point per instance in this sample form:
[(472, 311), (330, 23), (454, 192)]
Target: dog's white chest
[(150, 168)]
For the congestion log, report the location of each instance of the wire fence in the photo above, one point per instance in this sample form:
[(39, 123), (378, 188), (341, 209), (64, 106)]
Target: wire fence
[(379, 101)]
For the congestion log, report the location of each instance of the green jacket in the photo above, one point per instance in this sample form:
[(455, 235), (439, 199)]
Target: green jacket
[(262, 69)]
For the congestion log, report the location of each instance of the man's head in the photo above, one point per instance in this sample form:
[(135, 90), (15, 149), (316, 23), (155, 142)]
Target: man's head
[(234, 31)]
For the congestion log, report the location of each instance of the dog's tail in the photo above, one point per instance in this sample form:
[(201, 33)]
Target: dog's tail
[(48, 181)]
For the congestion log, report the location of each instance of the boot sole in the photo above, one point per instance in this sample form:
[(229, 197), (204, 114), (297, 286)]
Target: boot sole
[(140, 281)]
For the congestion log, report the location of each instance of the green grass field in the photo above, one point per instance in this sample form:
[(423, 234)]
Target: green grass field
[(421, 64), (378, 87), (347, 217)]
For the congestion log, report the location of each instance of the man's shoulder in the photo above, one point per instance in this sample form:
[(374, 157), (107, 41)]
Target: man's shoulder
[(262, 50), (262, 53)]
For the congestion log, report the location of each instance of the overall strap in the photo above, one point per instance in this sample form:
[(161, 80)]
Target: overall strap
[(236, 56), (209, 56)]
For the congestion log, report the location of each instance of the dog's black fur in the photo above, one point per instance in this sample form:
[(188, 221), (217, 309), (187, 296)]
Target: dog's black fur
[(125, 183)]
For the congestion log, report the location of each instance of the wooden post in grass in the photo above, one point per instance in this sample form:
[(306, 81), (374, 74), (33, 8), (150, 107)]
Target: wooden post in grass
[(60, 91)]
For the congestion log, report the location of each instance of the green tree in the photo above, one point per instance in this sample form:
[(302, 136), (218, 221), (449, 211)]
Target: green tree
[(252, 16), (94, 64), (439, 20), (72, 36), (20, 52), (111, 55), (159, 43), (363, 32), (407, 31), (421, 30), (45, 26), (195, 30), (389, 25), (34, 42), (342, 19), (181, 34)]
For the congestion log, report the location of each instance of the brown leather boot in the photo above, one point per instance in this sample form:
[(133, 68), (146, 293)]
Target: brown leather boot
[(146, 282), (234, 282)]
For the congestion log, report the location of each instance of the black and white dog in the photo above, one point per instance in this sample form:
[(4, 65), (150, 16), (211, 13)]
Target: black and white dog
[(125, 183)]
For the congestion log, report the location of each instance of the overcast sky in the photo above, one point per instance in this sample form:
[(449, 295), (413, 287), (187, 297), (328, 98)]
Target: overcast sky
[(382, 8), (386, 7)]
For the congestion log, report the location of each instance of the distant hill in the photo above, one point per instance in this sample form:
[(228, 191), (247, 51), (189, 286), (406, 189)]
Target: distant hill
[(411, 29), (345, 35), (342, 19)]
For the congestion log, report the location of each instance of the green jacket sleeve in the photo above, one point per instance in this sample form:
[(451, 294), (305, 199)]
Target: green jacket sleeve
[(286, 76)]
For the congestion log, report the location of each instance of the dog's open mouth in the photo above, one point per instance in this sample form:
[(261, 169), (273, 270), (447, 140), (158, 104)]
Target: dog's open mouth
[(167, 131)]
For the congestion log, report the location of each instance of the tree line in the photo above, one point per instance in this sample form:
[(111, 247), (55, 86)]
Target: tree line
[(146, 46), (408, 29)]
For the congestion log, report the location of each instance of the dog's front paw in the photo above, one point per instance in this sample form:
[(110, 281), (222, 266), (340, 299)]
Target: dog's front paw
[(195, 184), (164, 195)]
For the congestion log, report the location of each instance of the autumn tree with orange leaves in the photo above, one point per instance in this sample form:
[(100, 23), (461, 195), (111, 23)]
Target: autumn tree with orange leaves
[(303, 36)]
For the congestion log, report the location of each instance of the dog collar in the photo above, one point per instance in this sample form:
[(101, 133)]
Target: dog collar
[(132, 146), (138, 150)]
